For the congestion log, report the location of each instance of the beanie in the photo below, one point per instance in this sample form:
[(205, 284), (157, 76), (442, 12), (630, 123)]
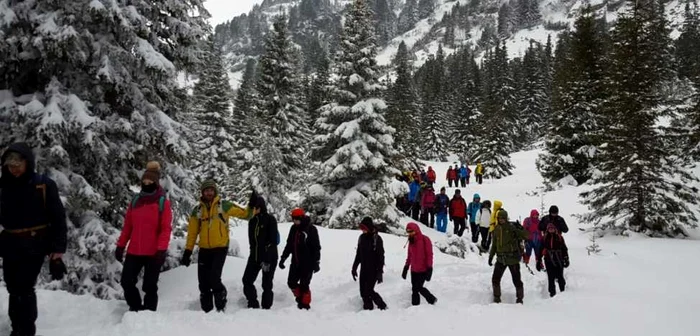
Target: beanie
[(208, 184), (476, 196), (554, 209), (458, 192), (367, 223), (502, 214), (152, 172), (298, 212)]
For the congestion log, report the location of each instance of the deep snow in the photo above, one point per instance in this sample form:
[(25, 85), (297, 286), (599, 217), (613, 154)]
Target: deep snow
[(636, 286)]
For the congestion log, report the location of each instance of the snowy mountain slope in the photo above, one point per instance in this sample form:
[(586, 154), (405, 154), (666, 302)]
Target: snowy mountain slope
[(427, 34), (636, 286)]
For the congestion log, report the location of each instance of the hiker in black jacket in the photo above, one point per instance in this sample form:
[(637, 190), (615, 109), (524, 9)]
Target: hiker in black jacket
[(370, 253), (555, 219), (263, 238), (34, 222), (305, 248)]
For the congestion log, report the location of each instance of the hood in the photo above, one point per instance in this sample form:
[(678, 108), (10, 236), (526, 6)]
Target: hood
[(476, 196), (430, 168), (415, 227), (534, 213), (22, 149), (305, 221), (260, 203), (497, 205)]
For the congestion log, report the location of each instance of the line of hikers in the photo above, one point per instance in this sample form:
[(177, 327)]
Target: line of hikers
[(457, 174), (34, 226)]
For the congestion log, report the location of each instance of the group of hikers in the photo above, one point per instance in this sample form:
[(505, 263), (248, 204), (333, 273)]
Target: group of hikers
[(34, 226)]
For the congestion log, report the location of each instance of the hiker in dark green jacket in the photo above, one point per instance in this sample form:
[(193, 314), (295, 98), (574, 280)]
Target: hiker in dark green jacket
[(506, 244)]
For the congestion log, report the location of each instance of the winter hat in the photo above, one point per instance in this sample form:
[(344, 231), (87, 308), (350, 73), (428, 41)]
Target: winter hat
[(298, 213), (152, 172), (458, 192), (554, 210), (259, 203), (476, 196), (442, 189), (502, 214), (486, 204), (208, 184), (367, 224), (534, 213)]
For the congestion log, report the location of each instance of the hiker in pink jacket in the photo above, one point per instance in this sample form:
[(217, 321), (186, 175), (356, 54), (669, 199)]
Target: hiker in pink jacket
[(420, 261), (427, 204), (531, 225)]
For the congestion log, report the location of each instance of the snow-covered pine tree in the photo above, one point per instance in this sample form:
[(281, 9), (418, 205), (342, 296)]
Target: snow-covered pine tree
[(581, 92), (214, 132), (641, 185), (283, 120), (318, 95), (497, 123), (434, 134), (688, 44), (408, 17), (425, 8), (357, 147), (462, 81), (92, 86), (385, 21), (403, 113), (533, 96), (246, 123)]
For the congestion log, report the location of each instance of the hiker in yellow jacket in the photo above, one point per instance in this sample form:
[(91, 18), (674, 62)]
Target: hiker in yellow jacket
[(497, 206), (479, 172), (209, 221)]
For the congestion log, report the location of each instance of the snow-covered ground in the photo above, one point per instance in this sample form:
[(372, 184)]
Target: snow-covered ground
[(636, 286)]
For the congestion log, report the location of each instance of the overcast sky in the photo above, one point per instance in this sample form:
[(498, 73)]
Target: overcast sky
[(224, 10)]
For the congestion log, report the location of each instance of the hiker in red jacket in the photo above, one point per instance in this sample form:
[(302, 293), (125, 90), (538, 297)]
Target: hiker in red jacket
[(420, 261), (452, 177), (431, 175), (147, 228), (458, 213)]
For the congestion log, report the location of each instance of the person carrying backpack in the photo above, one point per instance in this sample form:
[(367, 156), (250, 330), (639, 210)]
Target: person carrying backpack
[(555, 219), (452, 176), (506, 244), (209, 221), (34, 222), (464, 175), (442, 202), (430, 175), (420, 262), (473, 210), (263, 238), (369, 254), (304, 246), (414, 199), (428, 206), (484, 221), (556, 258), (479, 172), (147, 228), (531, 225), (458, 213)]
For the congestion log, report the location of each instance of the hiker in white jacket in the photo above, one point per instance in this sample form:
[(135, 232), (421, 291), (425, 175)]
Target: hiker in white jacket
[(483, 218)]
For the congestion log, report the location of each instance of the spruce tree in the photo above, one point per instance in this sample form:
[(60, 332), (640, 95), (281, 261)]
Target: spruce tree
[(385, 21), (533, 96), (641, 185), (357, 145), (213, 132), (284, 124), (688, 44), (99, 99), (425, 8), (434, 118), (572, 133), (408, 17), (403, 112)]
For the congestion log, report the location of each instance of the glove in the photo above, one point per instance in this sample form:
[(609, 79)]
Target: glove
[(186, 260), (539, 266), (119, 254), (405, 272), (265, 267), (160, 256), (380, 278), (430, 274), (317, 267), (354, 274), (490, 261), (566, 262), (57, 269), (282, 264)]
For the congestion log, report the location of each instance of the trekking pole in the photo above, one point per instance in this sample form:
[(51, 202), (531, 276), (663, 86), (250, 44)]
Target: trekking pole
[(529, 269)]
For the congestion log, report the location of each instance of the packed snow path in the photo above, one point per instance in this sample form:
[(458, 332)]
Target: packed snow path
[(636, 286)]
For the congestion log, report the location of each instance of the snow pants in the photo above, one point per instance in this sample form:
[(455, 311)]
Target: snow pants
[(449, 183), (427, 217), (369, 297), (133, 265), (250, 274), (475, 232), (485, 238), (442, 222), (415, 211), (418, 289), (480, 179), (498, 271), (22, 262), (211, 290), (531, 245), (298, 280), (554, 273), (463, 181), (460, 225)]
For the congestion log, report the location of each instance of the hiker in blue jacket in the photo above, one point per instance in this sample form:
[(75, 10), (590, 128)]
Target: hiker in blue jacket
[(413, 191), (472, 210), (463, 174)]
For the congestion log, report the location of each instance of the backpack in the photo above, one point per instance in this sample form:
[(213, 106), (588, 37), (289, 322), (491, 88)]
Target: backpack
[(220, 209), (161, 205)]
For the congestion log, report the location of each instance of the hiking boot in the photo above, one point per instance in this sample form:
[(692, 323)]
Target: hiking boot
[(552, 294), (254, 304), (207, 302), (496, 299), (562, 286), (220, 300), (520, 301)]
